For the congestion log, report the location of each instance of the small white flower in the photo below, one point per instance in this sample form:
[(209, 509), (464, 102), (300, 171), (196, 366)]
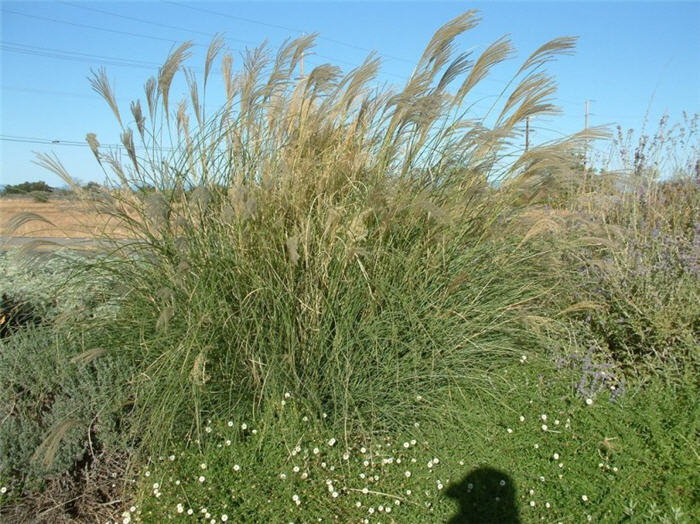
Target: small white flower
[(203, 466), (532, 503), (132, 509), (541, 479), (207, 429), (334, 494), (556, 456), (370, 511), (363, 449), (532, 492), (509, 430), (287, 395), (305, 418), (365, 463), (362, 475), (408, 492), (502, 482), (408, 474), (171, 458), (180, 508), (346, 456), (547, 505), (537, 446), (589, 401), (202, 478), (295, 469), (406, 445), (224, 517), (325, 415), (236, 467), (316, 451), (283, 476), (439, 485), (556, 422), (544, 427), (543, 417), (230, 423), (190, 511), (413, 442), (148, 473), (461, 463), (284, 403), (304, 476), (365, 491), (358, 504), (332, 442), (228, 442), (561, 464), (521, 418), (177, 482), (244, 426), (419, 398), (584, 498)]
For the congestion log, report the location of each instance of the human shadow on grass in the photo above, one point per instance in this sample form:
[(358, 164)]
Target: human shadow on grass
[(484, 495)]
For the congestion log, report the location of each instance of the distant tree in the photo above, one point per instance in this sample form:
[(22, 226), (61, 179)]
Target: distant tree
[(26, 187)]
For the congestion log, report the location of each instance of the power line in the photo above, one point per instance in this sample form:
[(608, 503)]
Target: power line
[(150, 22), (96, 28), (70, 143), (15, 47), (287, 28)]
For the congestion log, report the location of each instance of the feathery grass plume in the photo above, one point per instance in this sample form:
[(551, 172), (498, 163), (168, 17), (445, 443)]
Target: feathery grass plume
[(84, 358), (127, 139), (494, 54), (545, 53), (48, 448), (52, 163), (215, 46), (100, 84), (439, 49), (168, 70), (91, 139), (194, 96), (138, 117), (149, 89), (292, 244), (20, 219)]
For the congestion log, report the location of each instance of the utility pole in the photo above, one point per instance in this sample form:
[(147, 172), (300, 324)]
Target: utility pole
[(527, 133)]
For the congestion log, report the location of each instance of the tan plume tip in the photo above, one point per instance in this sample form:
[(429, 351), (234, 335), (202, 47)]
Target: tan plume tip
[(51, 443), (91, 139)]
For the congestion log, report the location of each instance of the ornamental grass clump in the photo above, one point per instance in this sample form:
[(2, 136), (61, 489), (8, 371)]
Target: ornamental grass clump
[(321, 234)]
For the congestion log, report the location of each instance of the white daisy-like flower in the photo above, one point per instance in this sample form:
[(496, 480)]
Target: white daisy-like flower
[(236, 467), (207, 429), (171, 458), (509, 430), (358, 504), (589, 401), (190, 511), (224, 517), (180, 508), (304, 476), (439, 485), (365, 463), (413, 442), (502, 482), (244, 426), (547, 505), (177, 482), (531, 492), (537, 446), (287, 395), (346, 456), (543, 417), (332, 442), (521, 418), (295, 469), (544, 427), (316, 451), (283, 476), (156, 485), (334, 494), (202, 478), (362, 475), (406, 445), (407, 474), (284, 403), (148, 473), (365, 491), (556, 456), (532, 503), (228, 442), (584, 498), (203, 466), (408, 492), (363, 449), (305, 418), (230, 423), (370, 511)]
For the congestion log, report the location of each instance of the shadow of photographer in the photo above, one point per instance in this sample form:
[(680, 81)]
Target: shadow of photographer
[(484, 495)]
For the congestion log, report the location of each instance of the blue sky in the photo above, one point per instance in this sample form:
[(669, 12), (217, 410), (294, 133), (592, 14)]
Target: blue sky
[(631, 57)]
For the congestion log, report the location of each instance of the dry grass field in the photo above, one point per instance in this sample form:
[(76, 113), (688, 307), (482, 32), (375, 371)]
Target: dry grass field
[(67, 218)]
